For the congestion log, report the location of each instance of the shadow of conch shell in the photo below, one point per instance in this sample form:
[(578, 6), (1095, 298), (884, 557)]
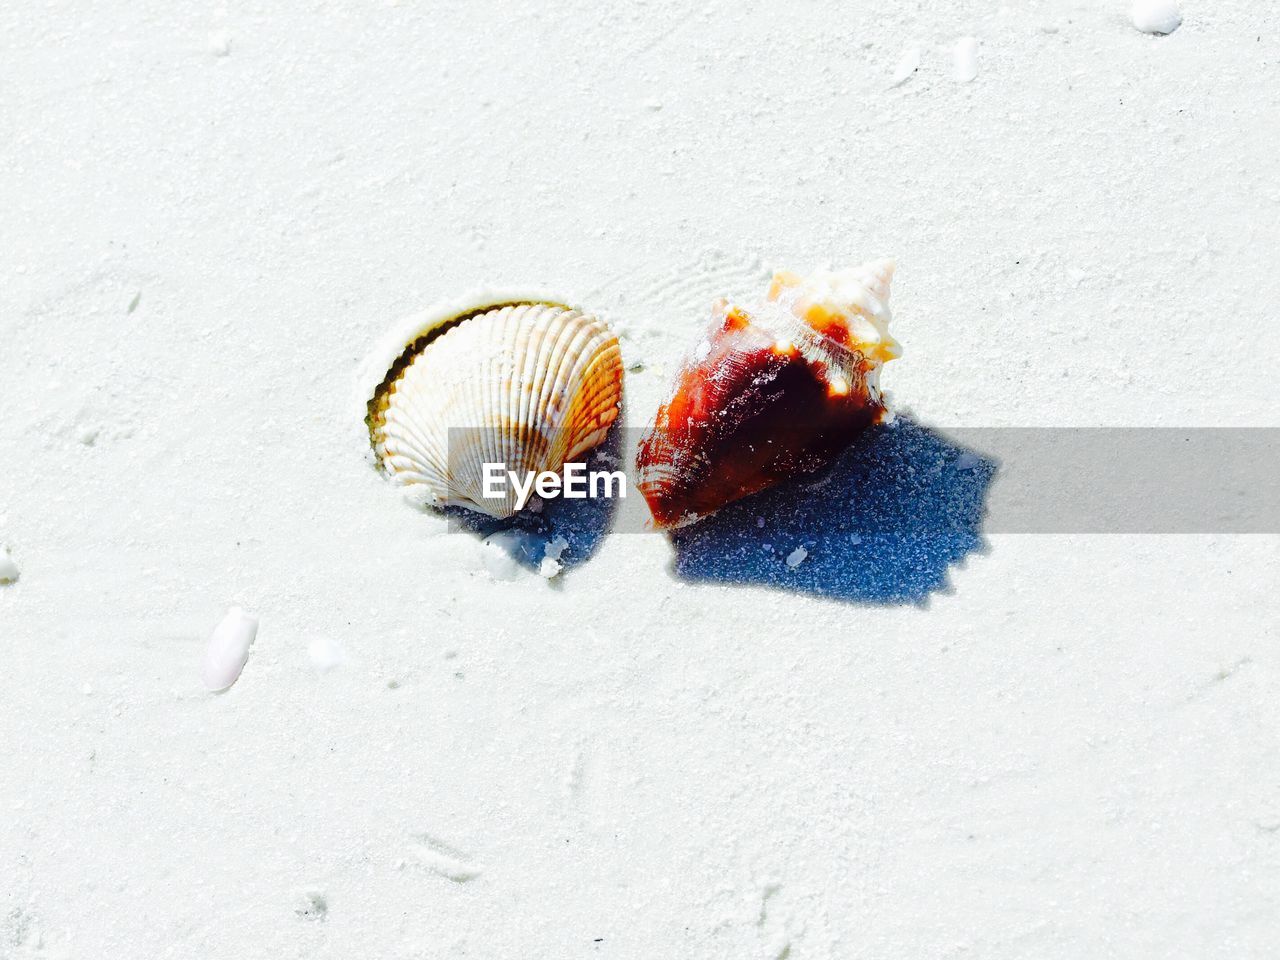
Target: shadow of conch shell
[(882, 525)]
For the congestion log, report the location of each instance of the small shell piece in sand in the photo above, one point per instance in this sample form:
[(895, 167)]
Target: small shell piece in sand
[(9, 571), (219, 44), (908, 65), (1156, 16), (965, 59), (325, 654), (551, 554), (228, 650), (499, 553)]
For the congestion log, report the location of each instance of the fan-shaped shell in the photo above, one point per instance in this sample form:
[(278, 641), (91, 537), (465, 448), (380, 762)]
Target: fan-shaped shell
[(527, 384)]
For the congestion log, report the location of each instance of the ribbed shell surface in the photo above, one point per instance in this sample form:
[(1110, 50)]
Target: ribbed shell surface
[(528, 386)]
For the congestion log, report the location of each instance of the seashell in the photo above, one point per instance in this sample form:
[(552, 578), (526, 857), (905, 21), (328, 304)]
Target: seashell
[(907, 65), (965, 59), (1160, 17), (523, 381), (326, 653), (9, 571), (773, 391), (228, 650)]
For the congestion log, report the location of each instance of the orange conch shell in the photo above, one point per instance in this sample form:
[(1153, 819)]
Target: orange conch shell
[(771, 392)]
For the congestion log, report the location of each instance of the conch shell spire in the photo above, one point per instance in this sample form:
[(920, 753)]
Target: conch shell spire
[(855, 301)]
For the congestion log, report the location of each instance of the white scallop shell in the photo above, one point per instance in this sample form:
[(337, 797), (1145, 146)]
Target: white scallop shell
[(527, 384)]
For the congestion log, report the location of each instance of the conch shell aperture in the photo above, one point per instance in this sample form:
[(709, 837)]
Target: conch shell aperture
[(518, 380), (773, 391)]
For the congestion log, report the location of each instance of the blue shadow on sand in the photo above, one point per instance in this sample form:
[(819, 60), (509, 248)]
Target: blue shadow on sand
[(882, 525), (582, 523)]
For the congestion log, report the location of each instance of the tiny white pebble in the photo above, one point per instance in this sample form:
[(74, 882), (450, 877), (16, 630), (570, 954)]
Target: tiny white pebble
[(326, 654), (908, 65), (760, 522), (855, 538), (312, 905), (549, 567), (219, 43), (965, 59), (654, 105), (1156, 16), (796, 557), (9, 571), (497, 554), (87, 690), (968, 461)]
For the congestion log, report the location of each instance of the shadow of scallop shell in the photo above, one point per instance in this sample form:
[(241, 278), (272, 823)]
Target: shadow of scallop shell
[(526, 382)]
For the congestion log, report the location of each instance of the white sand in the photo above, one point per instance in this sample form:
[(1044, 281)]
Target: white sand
[(209, 215)]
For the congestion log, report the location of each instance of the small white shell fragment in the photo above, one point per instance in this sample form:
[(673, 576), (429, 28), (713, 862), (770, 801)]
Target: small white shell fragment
[(908, 65), (325, 654), (440, 858), (312, 905), (1156, 16), (9, 571), (228, 650), (796, 557), (219, 45), (555, 547), (965, 59), (551, 553), (498, 553)]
